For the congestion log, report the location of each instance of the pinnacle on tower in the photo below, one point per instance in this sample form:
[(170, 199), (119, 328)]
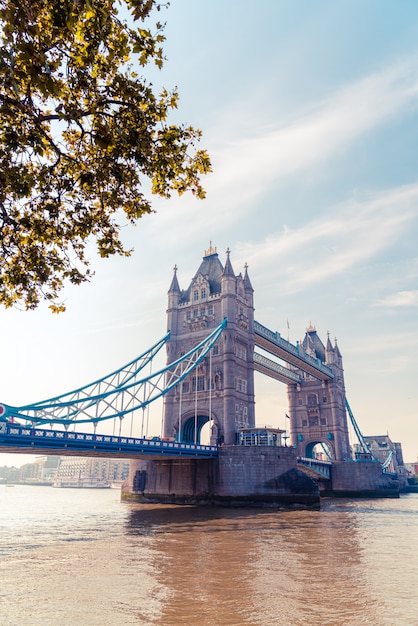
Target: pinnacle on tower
[(228, 271), (211, 250), (247, 283), (174, 287)]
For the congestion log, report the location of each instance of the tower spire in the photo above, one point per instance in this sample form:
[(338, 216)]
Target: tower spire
[(174, 287), (228, 271), (247, 283)]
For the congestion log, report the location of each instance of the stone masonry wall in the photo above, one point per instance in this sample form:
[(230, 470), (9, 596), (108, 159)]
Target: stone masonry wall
[(247, 470), (365, 477), (241, 476)]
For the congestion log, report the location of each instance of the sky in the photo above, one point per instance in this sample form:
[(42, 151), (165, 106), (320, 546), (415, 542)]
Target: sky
[(309, 111)]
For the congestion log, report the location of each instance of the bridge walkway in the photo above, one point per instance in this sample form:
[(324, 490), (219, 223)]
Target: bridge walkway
[(273, 343), (318, 470)]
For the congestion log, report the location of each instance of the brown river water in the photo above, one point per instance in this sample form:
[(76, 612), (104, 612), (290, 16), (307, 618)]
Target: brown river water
[(81, 557)]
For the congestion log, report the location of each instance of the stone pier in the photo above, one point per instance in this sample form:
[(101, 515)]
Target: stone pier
[(240, 476)]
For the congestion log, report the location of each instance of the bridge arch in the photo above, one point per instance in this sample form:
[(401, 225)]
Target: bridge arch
[(192, 427), (322, 447)]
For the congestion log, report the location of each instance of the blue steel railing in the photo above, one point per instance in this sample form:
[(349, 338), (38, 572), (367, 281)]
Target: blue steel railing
[(23, 437), (275, 338), (321, 467)]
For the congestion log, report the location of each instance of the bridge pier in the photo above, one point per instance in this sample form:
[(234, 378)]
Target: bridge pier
[(241, 476), (365, 479)]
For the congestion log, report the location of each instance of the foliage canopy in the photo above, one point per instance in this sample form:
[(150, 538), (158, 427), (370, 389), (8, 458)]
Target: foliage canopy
[(80, 132)]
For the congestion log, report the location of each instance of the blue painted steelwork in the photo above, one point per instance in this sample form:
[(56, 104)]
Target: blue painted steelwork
[(275, 344), (116, 395), (320, 467), (386, 464), (19, 438), (365, 450)]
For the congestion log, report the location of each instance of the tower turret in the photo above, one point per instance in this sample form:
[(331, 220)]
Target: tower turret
[(221, 389), (318, 415)]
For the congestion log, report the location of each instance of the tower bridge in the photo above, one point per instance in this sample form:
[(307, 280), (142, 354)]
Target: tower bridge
[(209, 379)]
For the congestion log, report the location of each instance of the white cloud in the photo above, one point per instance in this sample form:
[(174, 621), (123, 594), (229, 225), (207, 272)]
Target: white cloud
[(334, 243), (247, 164), (400, 299), (328, 128)]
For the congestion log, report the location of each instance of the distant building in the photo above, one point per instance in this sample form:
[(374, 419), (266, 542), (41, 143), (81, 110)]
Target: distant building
[(93, 467), (390, 455), (9, 474), (42, 470), (385, 450)]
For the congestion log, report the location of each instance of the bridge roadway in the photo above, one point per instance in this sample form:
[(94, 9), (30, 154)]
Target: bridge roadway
[(25, 439), (315, 468), (273, 343)]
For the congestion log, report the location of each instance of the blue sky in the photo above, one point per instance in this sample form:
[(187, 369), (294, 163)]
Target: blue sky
[(309, 111)]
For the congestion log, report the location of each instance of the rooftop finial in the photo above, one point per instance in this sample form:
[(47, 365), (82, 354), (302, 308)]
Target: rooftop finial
[(211, 250)]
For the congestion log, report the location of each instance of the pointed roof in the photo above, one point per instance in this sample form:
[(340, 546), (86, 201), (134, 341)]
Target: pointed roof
[(247, 283), (329, 347), (211, 269), (228, 271), (174, 287), (337, 351), (312, 343)]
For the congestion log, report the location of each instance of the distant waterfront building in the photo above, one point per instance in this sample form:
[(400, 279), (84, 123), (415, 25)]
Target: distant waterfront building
[(43, 469), (93, 467), (9, 474)]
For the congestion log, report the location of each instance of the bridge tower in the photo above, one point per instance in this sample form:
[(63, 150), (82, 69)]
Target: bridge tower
[(221, 389), (317, 408)]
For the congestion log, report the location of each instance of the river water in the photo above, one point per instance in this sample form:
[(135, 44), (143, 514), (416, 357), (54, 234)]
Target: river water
[(82, 557)]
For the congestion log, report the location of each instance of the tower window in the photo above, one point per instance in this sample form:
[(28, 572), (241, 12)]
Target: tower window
[(203, 294), (241, 351), (188, 315), (196, 295), (195, 313), (200, 383), (210, 310), (215, 351), (203, 311), (241, 385)]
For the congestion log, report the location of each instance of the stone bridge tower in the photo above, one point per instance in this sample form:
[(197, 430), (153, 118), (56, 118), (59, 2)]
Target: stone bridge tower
[(221, 388), (318, 417)]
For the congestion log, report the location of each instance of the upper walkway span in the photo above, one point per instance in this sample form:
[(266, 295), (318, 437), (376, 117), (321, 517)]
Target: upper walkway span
[(273, 343)]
